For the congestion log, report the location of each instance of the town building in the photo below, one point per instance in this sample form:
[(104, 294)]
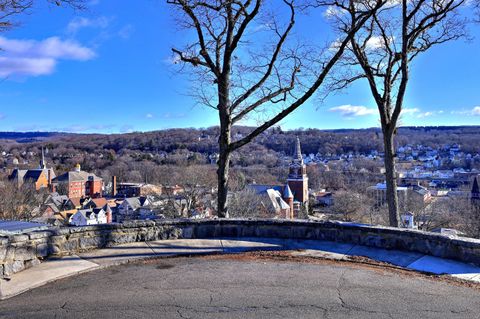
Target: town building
[(130, 208), (85, 217), (39, 178), (77, 184), (379, 194), (137, 189), (297, 177), (289, 200)]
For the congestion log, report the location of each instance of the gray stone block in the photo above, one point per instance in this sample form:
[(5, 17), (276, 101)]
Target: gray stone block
[(39, 234), (25, 253), (42, 250), (13, 267), (18, 238)]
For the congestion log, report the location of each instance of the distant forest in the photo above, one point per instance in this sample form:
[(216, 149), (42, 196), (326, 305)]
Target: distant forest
[(161, 156), (204, 141)]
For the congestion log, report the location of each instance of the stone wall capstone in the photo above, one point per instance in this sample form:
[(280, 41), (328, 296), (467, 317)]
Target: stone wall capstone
[(21, 251)]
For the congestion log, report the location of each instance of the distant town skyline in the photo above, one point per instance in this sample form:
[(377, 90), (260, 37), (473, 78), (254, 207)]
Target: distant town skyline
[(109, 70)]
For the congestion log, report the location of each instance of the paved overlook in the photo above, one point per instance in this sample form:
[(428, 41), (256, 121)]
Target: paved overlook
[(245, 286)]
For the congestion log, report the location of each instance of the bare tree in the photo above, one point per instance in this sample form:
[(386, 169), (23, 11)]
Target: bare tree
[(20, 203), (245, 67), (352, 206), (10, 9), (247, 203), (382, 52), (196, 182)]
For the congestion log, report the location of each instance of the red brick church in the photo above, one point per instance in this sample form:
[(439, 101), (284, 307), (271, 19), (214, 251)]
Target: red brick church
[(297, 178), (291, 199)]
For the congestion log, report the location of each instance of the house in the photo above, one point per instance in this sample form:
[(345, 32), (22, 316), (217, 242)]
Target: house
[(129, 208), (77, 183), (324, 198), (421, 193), (407, 221), (94, 203), (84, 217)]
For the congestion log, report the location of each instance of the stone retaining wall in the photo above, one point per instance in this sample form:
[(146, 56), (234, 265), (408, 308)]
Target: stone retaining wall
[(18, 252)]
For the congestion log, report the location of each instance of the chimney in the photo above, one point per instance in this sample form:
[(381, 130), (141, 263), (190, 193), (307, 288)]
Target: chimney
[(49, 177), (109, 214), (114, 186), (290, 204)]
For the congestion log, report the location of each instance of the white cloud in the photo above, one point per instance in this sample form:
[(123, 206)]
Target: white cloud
[(26, 66), (475, 111), (425, 114), (333, 11), (410, 110), (149, 116), (79, 23), (169, 115), (376, 42), (34, 58), (352, 110)]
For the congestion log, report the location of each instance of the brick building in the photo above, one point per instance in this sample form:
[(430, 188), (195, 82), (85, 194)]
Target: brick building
[(289, 200), (78, 183), (298, 180)]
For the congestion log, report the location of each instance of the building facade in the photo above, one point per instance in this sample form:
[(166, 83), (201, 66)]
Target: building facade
[(77, 183)]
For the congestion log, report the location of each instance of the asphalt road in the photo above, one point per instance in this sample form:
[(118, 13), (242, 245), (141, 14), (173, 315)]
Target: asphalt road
[(232, 288)]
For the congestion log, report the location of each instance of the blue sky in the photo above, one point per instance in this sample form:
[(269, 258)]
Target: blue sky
[(109, 70)]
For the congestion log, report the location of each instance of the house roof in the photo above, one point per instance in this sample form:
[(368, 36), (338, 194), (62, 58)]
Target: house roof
[(75, 176), (135, 202), (58, 200), (76, 201), (53, 207), (287, 192), (99, 202), (276, 200), (259, 188)]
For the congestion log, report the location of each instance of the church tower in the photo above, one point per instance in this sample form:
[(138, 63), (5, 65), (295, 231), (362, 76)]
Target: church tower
[(297, 176), (43, 164)]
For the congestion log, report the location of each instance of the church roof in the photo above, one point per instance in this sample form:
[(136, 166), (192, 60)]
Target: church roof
[(297, 155), (262, 188), (287, 192), (33, 174)]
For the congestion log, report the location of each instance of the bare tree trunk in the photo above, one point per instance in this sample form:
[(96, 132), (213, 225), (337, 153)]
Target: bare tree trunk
[(391, 176), (224, 141), (223, 169)]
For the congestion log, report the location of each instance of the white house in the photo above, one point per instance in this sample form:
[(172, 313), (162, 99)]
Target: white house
[(130, 206), (84, 217)]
